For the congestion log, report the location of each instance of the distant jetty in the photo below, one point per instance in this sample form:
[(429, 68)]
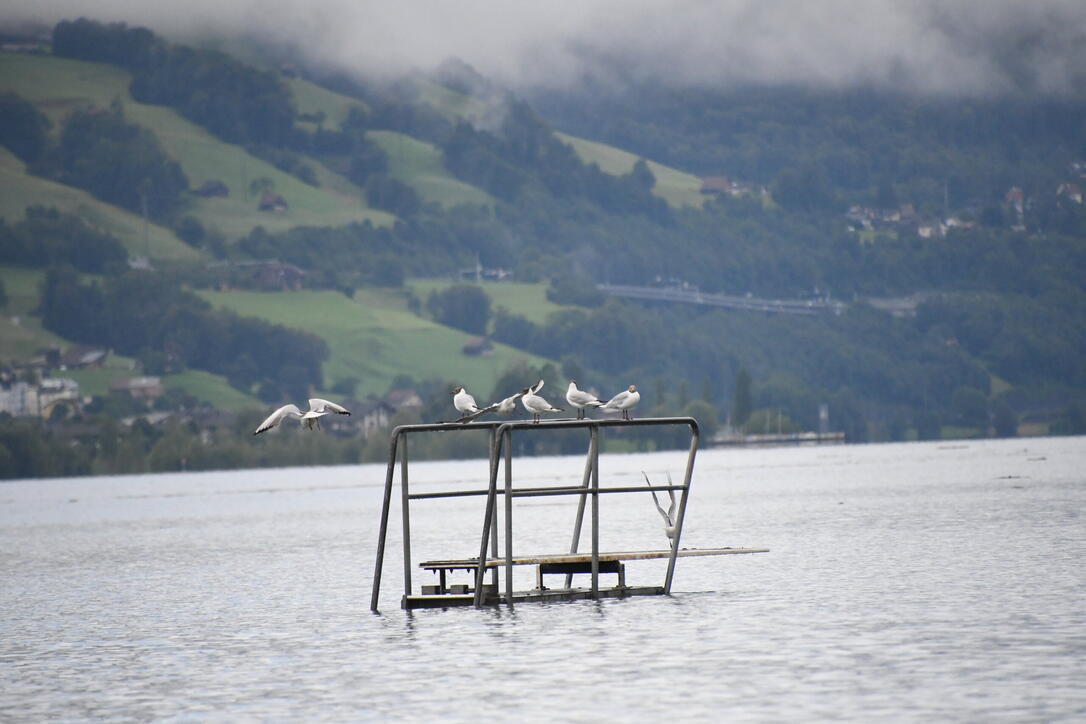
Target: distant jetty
[(722, 439)]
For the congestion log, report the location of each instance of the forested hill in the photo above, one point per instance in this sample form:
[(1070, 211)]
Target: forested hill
[(134, 163)]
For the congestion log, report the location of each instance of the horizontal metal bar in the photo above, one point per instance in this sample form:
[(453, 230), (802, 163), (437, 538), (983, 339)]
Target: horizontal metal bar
[(529, 492), (451, 494), (532, 492), (548, 424), (445, 426)]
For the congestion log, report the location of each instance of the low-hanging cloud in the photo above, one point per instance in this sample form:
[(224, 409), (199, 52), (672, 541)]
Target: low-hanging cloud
[(927, 46)]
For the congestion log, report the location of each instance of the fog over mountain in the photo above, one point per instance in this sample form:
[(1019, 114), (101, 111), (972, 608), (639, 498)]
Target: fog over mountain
[(960, 46)]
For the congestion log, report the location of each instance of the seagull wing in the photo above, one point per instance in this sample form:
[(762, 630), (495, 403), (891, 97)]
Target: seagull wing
[(617, 400), (538, 387), (667, 520), (586, 399), (316, 404), (470, 417), (674, 503), (276, 417)]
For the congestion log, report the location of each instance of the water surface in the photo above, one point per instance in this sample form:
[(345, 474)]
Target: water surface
[(910, 582)]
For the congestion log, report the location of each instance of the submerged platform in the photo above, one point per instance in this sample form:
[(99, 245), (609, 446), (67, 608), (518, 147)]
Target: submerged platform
[(587, 499), (443, 595)]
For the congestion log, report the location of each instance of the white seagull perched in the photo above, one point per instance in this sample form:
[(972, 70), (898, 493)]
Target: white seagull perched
[(535, 404), (669, 516), (317, 409), (465, 403), (581, 399), (624, 401)]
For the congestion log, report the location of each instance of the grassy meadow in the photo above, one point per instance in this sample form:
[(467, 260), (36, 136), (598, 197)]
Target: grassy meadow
[(373, 341), (59, 85), (528, 300), (420, 164), (676, 187)]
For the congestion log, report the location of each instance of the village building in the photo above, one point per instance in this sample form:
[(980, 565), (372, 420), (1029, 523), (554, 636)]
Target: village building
[(142, 388), (373, 416), (271, 201), (478, 347), (77, 358), (401, 399)]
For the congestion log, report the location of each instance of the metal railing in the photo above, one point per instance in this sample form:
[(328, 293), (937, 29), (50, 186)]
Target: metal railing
[(501, 445)]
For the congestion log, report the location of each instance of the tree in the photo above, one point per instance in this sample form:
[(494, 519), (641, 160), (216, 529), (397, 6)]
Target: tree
[(464, 306), (22, 128), (742, 398), (886, 198), (119, 162), (970, 407)]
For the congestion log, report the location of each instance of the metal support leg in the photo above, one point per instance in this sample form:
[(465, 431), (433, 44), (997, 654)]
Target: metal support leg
[(694, 435), (490, 518), (509, 517), (493, 511), (406, 505), (595, 513), (585, 480), (383, 533)]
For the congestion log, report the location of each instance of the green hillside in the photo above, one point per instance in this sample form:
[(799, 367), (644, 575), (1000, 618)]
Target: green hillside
[(527, 300), (676, 187), (58, 85), (311, 99), (22, 336), (18, 189), (420, 165), (373, 341)]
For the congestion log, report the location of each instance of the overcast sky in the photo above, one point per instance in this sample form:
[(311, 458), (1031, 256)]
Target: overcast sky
[(972, 46)]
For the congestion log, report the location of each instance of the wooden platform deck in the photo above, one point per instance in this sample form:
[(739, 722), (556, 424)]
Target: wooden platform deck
[(443, 595), (534, 560)]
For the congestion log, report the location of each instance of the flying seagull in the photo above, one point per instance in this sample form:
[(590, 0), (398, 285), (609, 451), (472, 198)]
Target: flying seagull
[(535, 404), (317, 409), (624, 401), (669, 515), (581, 399)]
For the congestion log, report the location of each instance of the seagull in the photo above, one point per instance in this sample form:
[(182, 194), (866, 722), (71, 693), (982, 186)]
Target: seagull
[(505, 407), (624, 401), (466, 405), (669, 516), (317, 409), (508, 405), (581, 399), (535, 404)]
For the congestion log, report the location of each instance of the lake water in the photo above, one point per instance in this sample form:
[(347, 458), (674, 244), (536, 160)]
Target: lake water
[(909, 582)]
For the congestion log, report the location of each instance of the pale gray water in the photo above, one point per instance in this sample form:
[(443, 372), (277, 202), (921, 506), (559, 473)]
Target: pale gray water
[(912, 582)]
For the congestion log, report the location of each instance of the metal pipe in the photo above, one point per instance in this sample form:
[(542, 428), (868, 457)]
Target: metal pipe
[(406, 505), (508, 433), (578, 521), (493, 511), (544, 491), (489, 521), (595, 514), (385, 505), (695, 434)]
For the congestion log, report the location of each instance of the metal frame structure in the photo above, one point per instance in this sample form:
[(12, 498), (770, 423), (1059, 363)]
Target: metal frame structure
[(501, 444)]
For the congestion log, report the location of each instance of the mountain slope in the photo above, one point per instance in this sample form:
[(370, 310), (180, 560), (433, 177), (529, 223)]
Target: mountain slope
[(19, 189), (372, 341), (59, 85)]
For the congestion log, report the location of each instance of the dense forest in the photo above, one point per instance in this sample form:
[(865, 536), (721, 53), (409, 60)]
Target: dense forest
[(998, 333)]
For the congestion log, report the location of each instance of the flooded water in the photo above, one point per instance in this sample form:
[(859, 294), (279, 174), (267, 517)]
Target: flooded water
[(911, 582)]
